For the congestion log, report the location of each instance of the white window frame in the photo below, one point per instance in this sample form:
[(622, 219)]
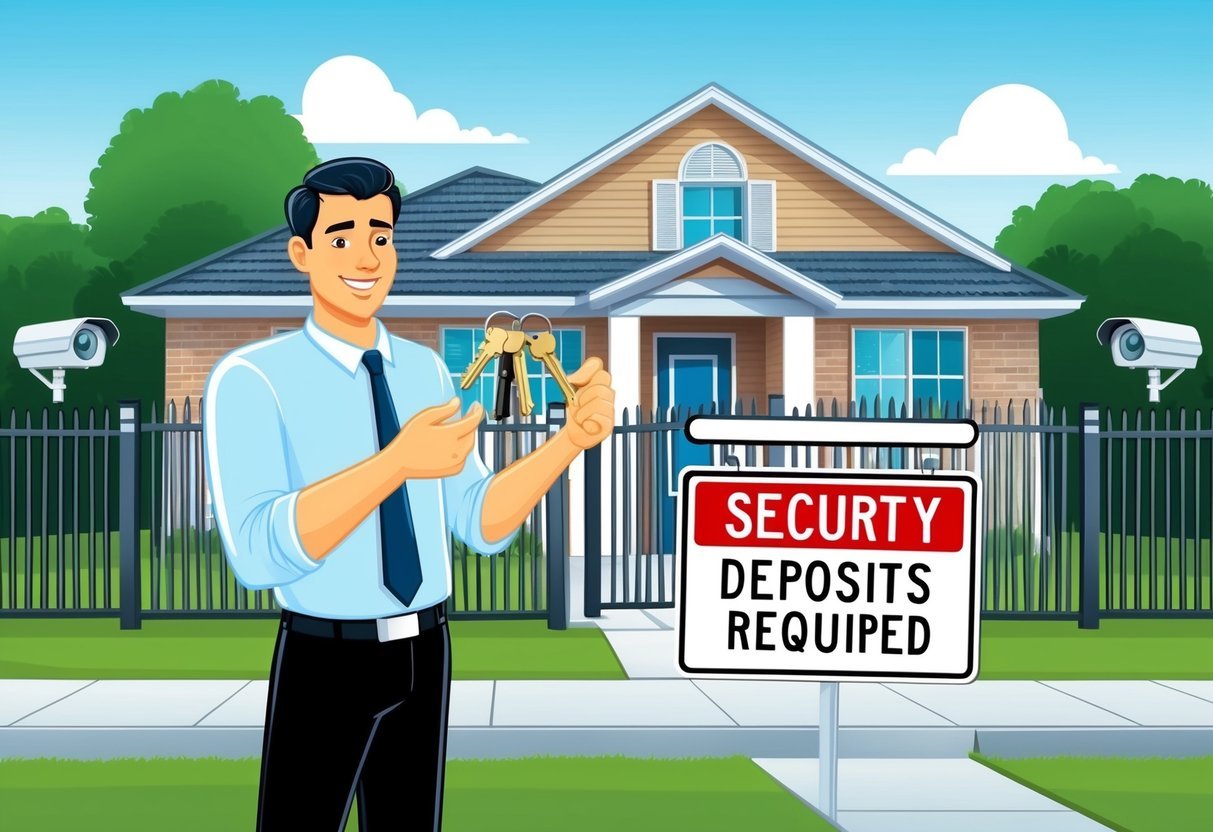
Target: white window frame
[(909, 374), (741, 183)]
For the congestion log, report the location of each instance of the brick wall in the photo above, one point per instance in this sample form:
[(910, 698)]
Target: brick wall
[(1003, 356), (193, 345)]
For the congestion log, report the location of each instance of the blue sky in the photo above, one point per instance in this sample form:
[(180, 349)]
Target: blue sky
[(867, 80)]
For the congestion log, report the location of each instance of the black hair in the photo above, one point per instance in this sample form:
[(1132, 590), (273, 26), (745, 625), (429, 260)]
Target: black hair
[(357, 176)]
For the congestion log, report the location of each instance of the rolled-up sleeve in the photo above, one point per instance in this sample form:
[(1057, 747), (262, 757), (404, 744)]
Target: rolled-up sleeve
[(246, 451), (463, 494)]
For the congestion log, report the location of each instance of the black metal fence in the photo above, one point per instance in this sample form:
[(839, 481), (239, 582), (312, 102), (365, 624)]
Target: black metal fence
[(1087, 515), (104, 517), (1108, 518)]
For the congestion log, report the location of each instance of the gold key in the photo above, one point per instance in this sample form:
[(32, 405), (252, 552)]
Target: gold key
[(512, 345), (492, 346), (525, 403), (543, 348)]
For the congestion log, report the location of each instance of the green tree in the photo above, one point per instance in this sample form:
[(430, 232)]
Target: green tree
[(206, 145), (44, 262), (1145, 250)]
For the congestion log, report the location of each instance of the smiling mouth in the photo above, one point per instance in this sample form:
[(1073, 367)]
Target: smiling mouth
[(360, 285)]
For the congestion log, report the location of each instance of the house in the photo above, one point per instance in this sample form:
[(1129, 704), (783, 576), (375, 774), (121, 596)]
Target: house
[(710, 254)]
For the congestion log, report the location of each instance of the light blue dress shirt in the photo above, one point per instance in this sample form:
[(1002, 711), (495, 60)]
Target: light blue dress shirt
[(286, 412)]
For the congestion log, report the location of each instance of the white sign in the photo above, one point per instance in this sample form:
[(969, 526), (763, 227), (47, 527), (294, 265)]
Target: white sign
[(829, 575)]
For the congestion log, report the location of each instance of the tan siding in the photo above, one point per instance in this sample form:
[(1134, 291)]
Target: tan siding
[(1004, 359), (192, 346), (723, 268), (611, 209), (750, 345)]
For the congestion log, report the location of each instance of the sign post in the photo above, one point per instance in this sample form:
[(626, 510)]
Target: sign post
[(828, 575)]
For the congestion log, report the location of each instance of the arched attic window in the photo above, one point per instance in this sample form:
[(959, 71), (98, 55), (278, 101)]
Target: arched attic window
[(712, 195)]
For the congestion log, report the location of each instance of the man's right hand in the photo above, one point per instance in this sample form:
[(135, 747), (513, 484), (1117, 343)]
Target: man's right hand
[(429, 446)]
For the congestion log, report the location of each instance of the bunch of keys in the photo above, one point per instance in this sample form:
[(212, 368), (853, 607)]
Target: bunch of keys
[(515, 342)]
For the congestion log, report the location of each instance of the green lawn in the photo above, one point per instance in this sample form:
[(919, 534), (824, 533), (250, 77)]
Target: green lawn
[(1128, 794), (242, 649), (1161, 573), (590, 794), (1119, 649)]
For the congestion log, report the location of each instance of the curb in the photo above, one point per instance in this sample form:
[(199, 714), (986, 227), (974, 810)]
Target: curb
[(497, 743)]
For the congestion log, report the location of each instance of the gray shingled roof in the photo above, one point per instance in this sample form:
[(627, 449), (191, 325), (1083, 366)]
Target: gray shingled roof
[(441, 212)]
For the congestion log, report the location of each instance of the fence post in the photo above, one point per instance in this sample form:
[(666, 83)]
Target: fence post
[(557, 529), (130, 581), (775, 453), (1088, 489), (592, 580)]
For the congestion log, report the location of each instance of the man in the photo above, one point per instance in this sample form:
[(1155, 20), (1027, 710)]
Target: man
[(321, 494)]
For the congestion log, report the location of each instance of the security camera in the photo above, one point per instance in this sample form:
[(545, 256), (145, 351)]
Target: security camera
[(58, 346), (1153, 345)]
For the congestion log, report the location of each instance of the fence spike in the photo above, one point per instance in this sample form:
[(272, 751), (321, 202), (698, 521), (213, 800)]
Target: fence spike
[(185, 412)]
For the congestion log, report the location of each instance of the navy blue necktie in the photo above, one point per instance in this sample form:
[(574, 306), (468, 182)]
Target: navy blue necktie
[(401, 560)]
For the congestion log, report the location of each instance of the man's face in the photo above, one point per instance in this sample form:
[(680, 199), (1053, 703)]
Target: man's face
[(352, 262)]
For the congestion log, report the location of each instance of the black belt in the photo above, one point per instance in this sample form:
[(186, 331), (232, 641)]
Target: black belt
[(362, 629)]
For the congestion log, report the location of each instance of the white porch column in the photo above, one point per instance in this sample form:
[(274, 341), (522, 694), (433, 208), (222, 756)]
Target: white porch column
[(623, 347), (799, 361)]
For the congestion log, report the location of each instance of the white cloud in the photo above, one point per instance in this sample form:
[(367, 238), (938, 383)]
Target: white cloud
[(351, 100), (1009, 130)]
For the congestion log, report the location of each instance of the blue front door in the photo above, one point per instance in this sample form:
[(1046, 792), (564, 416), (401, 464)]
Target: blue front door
[(692, 372)]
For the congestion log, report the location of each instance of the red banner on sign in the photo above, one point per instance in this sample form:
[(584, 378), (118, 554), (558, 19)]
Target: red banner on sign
[(902, 518)]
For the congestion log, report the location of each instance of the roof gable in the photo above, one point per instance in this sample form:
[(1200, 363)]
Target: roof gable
[(715, 96)]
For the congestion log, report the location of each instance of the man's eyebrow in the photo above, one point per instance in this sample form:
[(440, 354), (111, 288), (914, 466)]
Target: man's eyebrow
[(380, 224), (341, 226)]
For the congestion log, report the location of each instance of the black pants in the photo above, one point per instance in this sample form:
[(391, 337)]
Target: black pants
[(363, 717)]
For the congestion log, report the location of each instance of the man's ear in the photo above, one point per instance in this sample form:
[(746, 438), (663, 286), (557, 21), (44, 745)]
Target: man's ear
[(297, 249)]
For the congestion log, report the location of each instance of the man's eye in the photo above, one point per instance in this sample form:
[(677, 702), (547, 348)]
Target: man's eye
[(381, 240), (340, 242)]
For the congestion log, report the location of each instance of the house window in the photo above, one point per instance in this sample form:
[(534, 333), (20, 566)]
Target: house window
[(712, 179), (459, 345), (921, 368), (712, 195), (710, 210)]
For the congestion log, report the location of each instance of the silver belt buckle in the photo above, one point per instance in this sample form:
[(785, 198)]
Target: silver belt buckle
[(398, 627)]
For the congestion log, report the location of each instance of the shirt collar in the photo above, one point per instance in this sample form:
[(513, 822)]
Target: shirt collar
[(343, 352)]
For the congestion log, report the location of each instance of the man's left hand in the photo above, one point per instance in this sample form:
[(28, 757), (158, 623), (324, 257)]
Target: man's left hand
[(592, 419)]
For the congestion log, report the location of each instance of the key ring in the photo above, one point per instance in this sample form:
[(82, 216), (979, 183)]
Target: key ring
[(535, 315), (501, 312)]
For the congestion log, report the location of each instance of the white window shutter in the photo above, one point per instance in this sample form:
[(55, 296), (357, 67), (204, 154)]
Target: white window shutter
[(666, 222), (761, 214)]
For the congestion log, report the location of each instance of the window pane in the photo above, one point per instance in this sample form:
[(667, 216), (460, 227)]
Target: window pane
[(924, 389), (457, 348), (536, 385), (892, 352), (568, 349), (892, 390), (726, 202), (730, 227), (952, 390), (867, 352), (694, 231), (553, 390), (926, 348), (866, 390), (696, 202), (951, 353)]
